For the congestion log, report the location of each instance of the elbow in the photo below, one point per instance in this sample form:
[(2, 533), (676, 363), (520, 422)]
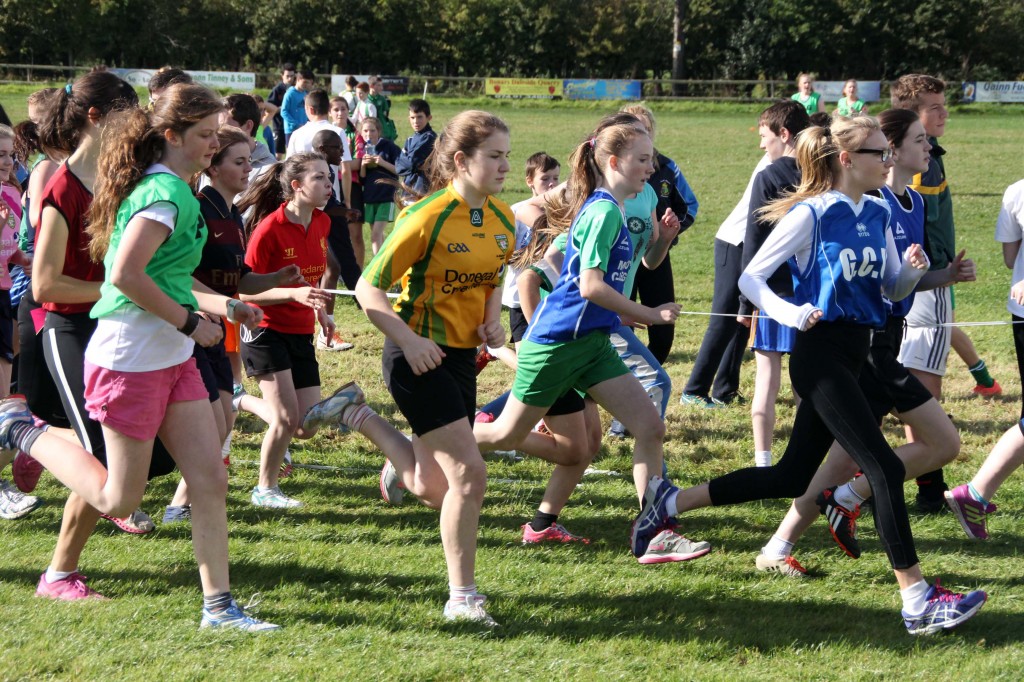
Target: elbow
[(746, 284)]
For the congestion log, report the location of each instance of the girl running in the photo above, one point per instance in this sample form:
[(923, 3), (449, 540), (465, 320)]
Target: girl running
[(566, 345), (291, 231), (887, 385), (140, 377), (840, 247), (9, 253)]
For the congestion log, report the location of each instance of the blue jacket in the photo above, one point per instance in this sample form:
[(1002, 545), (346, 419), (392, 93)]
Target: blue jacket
[(293, 110), (414, 155)]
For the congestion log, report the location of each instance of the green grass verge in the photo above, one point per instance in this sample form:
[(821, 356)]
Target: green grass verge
[(359, 585)]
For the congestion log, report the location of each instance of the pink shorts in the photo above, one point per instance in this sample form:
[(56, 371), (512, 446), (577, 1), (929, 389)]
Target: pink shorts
[(134, 403)]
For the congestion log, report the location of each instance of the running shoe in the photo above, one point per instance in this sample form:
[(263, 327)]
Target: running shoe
[(988, 391), (484, 418), (391, 487), (71, 588), (273, 499), (13, 409), (617, 430), (931, 498), (338, 342), (787, 566), (15, 504), (483, 358), (695, 400), (331, 409), (136, 523), (653, 517), (234, 618), (553, 533), (730, 399), (842, 523), (26, 470), (944, 611), (669, 546), (969, 512), (175, 514), (469, 609)]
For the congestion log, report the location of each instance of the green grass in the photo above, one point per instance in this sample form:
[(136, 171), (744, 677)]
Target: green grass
[(359, 585)]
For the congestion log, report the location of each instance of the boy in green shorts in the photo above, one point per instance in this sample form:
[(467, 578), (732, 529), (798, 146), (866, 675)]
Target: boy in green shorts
[(377, 174)]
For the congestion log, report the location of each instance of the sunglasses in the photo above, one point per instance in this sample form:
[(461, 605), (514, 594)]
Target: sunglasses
[(883, 154)]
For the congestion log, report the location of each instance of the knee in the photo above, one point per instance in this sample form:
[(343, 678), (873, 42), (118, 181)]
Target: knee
[(122, 504), (470, 480), (211, 482), (289, 420), (651, 430)]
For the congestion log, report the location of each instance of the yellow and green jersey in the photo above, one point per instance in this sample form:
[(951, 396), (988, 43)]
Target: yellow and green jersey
[(449, 258)]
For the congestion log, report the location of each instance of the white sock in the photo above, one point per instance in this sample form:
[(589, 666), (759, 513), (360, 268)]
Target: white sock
[(763, 458), (670, 504), (225, 449), (846, 496), (914, 597), (265, 490), (456, 593), (53, 576), (777, 548)]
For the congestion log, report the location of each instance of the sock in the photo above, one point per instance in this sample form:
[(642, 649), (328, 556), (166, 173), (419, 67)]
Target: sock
[(354, 416), (22, 436), (777, 548), (53, 576), (914, 598), (217, 602), (670, 504), (495, 407), (264, 490), (225, 449), (762, 458), (542, 521), (981, 375), (846, 496), (935, 480), (456, 593), (975, 495)]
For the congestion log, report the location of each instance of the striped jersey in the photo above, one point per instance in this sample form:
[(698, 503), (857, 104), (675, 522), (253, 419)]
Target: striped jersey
[(939, 230), (907, 228), (598, 238), (843, 276), (449, 258)]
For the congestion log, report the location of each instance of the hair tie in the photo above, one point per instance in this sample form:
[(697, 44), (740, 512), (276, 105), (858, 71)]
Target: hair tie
[(592, 141), (67, 89)]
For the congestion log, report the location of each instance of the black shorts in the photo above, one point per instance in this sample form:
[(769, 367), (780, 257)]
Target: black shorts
[(215, 369), (517, 323), (34, 379), (436, 398), (265, 351), (886, 383), (6, 326), (356, 198)]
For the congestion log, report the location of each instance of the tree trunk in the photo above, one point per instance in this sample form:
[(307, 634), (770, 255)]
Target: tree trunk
[(678, 36)]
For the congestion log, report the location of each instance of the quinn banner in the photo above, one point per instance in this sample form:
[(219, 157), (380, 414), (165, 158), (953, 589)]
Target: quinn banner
[(992, 91)]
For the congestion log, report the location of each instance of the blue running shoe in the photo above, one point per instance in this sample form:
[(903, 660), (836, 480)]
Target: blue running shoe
[(13, 409), (944, 610), (233, 617), (653, 517), (329, 410)]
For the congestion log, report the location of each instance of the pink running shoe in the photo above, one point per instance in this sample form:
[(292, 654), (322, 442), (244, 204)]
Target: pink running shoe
[(71, 588), (553, 533), (138, 523), (26, 470)]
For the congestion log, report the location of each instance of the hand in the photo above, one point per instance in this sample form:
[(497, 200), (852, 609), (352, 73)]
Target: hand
[(668, 226), (422, 355), (353, 215), (370, 160), (812, 319), (664, 314), (327, 325), (916, 256), (1017, 292), (745, 320), (961, 269), (207, 333), (247, 314), (289, 276), (492, 333), (313, 298), (628, 321)]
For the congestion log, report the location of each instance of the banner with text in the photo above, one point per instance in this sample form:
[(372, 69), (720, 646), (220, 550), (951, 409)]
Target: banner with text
[(601, 89), (529, 88), (235, 80), (831, 91), (992, 91)]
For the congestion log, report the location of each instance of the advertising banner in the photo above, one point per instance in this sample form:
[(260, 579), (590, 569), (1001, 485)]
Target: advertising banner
[(993, 91), (393, 85), (235, 80), (601, 89), (532, 88)]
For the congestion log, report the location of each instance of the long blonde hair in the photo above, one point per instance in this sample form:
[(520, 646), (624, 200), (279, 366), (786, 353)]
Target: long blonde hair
[(817, 154)]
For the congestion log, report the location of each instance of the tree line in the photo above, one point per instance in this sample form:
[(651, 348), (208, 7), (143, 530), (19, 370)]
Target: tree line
[(723, 39)]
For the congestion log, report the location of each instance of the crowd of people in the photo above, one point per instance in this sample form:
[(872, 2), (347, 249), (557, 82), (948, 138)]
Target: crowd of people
[(160, 254)]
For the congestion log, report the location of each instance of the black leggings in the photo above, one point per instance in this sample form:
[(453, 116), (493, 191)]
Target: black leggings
[(34, 380), (654, 288), (824, 368)]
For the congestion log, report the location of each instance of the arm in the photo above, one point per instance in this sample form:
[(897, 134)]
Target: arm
[(491, 331), (1010, 251), (757, 231), (346, 183), (422, 354), (41, 175), (528, 282), (255, 283), (307, 296), (792, 236), (899, 279), (597, 291), (49, 284), (665, 232), (959, 270)]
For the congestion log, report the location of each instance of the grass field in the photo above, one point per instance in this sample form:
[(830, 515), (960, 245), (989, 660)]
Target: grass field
[(359, 585)]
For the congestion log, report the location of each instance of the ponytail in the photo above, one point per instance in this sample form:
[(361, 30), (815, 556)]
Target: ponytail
[(65, 111)]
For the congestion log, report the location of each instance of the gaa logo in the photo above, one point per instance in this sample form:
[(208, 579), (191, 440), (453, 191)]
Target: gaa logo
[(458, 247)]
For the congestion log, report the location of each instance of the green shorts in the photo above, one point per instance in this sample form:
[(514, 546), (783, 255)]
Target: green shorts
[(379, 213), (547, 371)]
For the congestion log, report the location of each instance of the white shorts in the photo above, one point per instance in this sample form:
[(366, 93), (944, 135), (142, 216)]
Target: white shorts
[(926, 345)]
